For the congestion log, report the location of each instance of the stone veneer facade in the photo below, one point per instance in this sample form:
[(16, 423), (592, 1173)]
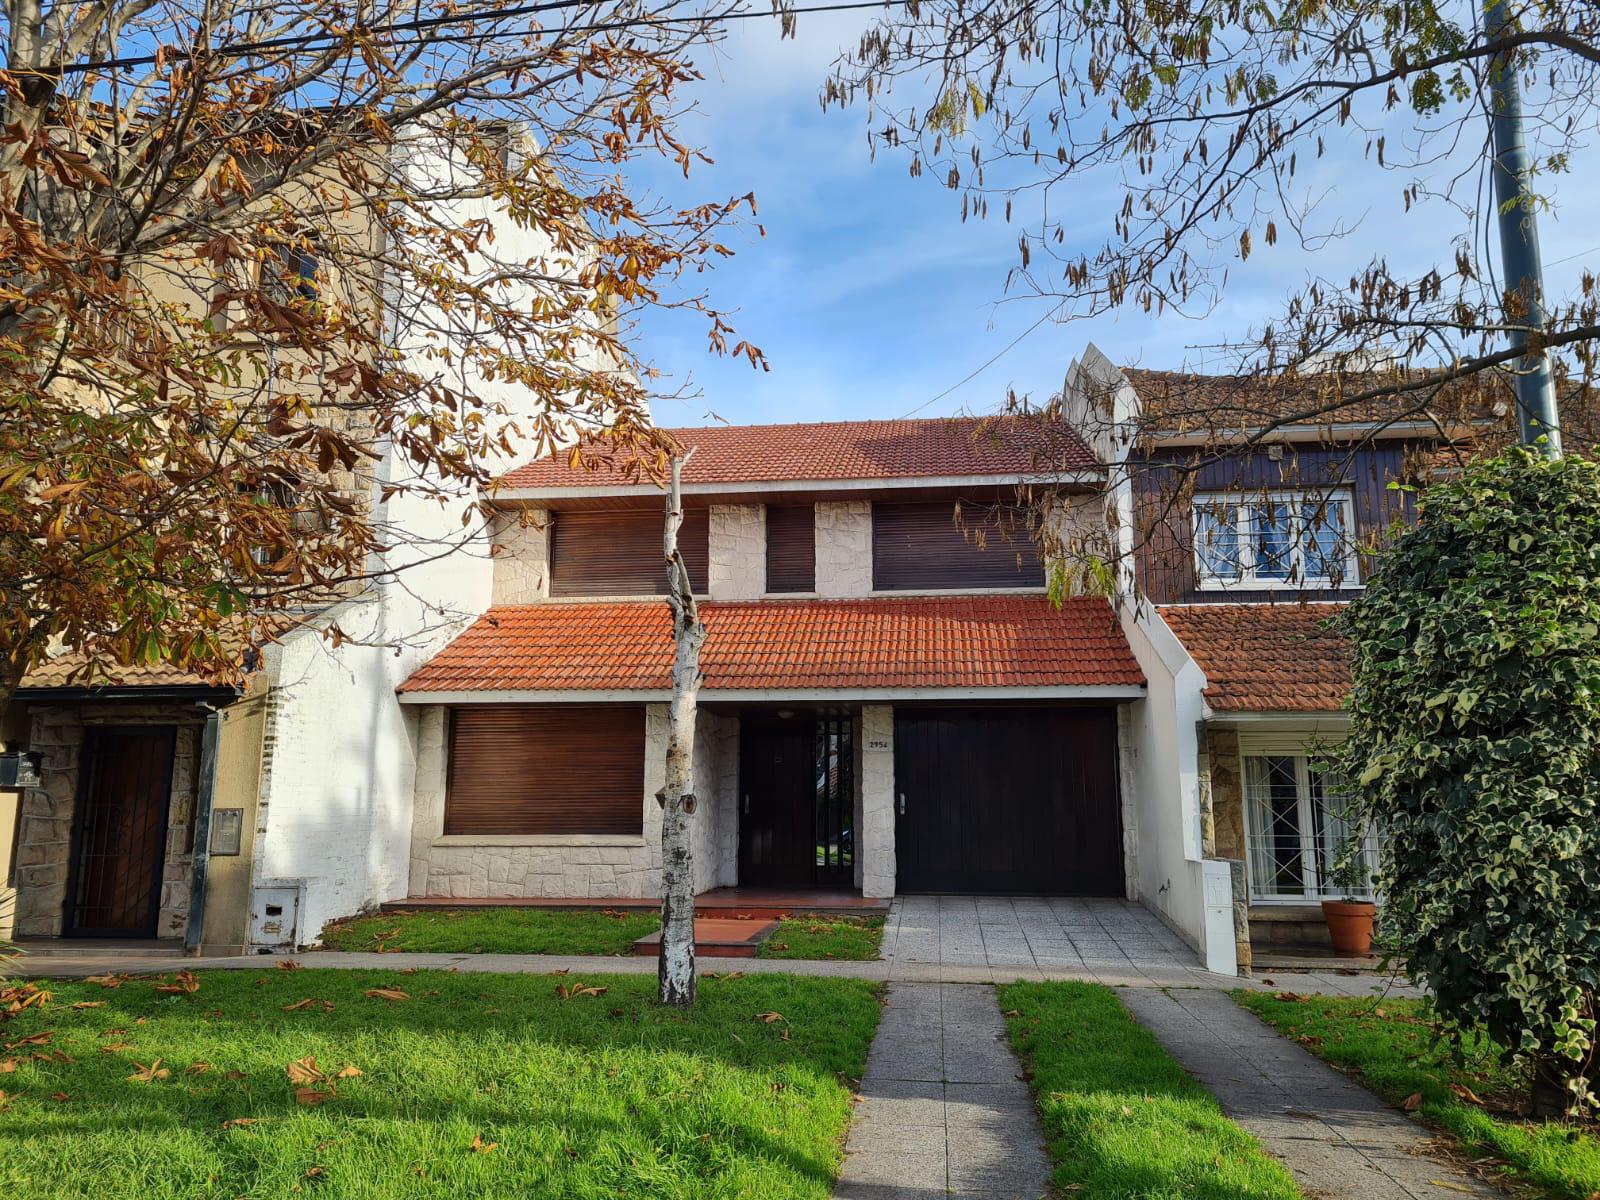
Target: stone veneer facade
[(521, 549), (616, 867), (844, 548), (44, 839)]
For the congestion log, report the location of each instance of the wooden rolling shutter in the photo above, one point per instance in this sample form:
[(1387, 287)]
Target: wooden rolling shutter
[(792, 548), (619, 553), (919, 545), (546, 769)]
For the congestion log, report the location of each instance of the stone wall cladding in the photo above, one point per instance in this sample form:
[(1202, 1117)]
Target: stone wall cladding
[(1127, 787), (738, 538), (571, 868), (44, 841), (876, 847), (844, 548), (1227, 790), (521, 557)]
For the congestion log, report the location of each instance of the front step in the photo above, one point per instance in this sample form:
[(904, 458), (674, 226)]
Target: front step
[(717, 937)]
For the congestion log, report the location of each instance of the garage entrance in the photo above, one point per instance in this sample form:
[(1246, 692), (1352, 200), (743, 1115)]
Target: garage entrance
[(1007, 800)]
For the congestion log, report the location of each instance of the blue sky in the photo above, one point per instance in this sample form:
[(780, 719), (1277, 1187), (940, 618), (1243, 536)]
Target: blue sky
[(871, 297)]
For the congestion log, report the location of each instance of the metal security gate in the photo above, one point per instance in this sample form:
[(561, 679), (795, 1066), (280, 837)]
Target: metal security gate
[(797, 800)]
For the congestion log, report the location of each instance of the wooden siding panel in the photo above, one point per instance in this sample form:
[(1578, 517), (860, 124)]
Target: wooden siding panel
[(545, 769), (919, 545), (1166, 482), (792, 548), (619, 553)]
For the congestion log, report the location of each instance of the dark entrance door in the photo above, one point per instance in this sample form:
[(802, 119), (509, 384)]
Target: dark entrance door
[(120, 835), (796, 801), (1007, 800)]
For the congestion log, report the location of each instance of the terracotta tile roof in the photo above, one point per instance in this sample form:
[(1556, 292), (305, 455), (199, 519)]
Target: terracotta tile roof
[(943, 642), (1181, 402), (843, 450), (1266, 657)]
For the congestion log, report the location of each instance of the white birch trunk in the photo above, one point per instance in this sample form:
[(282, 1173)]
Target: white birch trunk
[(675, 968)]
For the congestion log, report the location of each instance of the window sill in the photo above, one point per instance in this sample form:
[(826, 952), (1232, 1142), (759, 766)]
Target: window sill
[(1276, 585), (1029, 590), (537, 839)]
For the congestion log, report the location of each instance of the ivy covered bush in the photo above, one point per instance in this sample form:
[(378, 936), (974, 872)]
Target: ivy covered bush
[(1475, 745)]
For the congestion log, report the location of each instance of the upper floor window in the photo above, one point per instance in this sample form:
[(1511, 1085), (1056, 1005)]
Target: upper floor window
[(618, 553), (1292, 539), (791, 548), (921, 546)]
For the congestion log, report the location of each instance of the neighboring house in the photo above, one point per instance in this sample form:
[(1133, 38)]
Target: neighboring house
[(1249, 526)]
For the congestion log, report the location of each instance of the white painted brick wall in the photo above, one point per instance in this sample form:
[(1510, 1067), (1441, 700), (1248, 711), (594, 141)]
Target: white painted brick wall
[(844, 548), (521, 556), (738, 538)]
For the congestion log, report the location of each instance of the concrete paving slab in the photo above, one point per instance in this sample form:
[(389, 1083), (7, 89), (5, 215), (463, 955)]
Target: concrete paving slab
[(1336, 1137)]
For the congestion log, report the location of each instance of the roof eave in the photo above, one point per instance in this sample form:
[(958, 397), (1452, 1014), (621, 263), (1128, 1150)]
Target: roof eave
[(1081, 476), (1115, 691)]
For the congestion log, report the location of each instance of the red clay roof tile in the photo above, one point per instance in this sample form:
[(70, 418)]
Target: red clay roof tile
[(944, 446), (1266, 657), (844, 645)]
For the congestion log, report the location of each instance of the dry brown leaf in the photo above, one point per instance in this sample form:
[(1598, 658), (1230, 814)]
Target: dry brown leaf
[(107, 980), (769, 1017), (312, 1097), (479, 1146), (144, 1074), (1412, 1102), (236, 1122), (349, 1072), (199, 1067), (304, 1070), (1466, 1093), (314, 1172), (309, 1002), (114, 1047), (288, 964), (7, 1065), (89, 1004), (187, 984), (386, 994), (1292, 997), (33, 1039), (60, 1097)]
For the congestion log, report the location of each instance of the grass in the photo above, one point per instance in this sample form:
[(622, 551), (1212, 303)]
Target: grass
[(853, 938), (476, 1085), (1122, 1118), (494, 931), (1389, 1045)]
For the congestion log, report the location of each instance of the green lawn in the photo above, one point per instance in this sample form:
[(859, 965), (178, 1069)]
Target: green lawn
[(853, 938), (495, 931), (1122, 1118), (1389, 1046), (471, 1085)]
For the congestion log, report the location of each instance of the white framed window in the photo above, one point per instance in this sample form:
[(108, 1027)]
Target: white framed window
[(1297, 824), (1280, 539)]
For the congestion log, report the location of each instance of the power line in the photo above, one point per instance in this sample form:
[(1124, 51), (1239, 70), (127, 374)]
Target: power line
[(304, 41), (996, 357)]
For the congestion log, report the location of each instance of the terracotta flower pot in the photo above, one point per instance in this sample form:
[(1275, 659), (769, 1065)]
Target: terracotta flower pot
[(1350, 925)]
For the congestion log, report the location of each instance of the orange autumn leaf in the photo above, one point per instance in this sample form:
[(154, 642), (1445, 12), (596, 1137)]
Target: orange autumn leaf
[(144, 1074), (348, 1072), (1412, 1102), (33, 1039), (386, 994), (89, 1004), (108, 980), (187, 984), (768, 1018), (479, 1146)]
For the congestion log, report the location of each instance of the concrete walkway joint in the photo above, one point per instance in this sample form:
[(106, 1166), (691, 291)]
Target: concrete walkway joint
[(944, 1110)]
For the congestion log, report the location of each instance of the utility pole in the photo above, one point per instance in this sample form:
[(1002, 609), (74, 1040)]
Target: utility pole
[(1538, 423)]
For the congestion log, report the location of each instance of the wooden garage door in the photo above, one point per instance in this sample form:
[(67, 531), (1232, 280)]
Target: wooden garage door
[(1006, 800)]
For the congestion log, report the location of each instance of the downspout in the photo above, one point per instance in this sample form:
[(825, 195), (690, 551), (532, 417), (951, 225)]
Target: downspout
[(201, 858)]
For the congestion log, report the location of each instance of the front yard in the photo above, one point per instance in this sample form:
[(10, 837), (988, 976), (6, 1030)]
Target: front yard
[(381, 1085), (1389, 1046), (495, 931), (843, 938), (1124, 1121)]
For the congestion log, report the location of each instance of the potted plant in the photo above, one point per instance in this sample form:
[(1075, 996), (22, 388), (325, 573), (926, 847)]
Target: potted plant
[(1349, 918)]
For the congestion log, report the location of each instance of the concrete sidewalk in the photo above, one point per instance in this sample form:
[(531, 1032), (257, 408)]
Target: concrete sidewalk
[(1340, 1141), (943, 1110)]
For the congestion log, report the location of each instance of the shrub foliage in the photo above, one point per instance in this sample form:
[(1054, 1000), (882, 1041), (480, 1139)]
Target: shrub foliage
[(1475, 743)]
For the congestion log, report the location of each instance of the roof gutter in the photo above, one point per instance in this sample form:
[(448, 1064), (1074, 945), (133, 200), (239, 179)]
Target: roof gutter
[(1112, 691), (1084, 476)]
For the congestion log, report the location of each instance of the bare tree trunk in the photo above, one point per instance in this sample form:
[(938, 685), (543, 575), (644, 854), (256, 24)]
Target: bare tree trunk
[(675, 968)]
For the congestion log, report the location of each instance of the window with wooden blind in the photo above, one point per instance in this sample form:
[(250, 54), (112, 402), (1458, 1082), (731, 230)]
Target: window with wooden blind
[(791, 548), (619, 553), (919, 546), (545, 769)]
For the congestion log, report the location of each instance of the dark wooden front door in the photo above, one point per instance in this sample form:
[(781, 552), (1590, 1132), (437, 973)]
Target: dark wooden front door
[(796, 802), (1007, 800), (120, 834)]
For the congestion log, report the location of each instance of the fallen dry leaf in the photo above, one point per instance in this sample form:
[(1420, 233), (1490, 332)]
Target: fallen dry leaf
[(144, 1074), (769, 1017), (1412, 1102), (349, 1072), (89, 1004), (107, 980), (288, 964), (60, 1097), (479, 1146), (1466, 1093), (114, 1047), (313, 1096), (386, 994), (304, 1070), (314, 1172), (1292, 997), (33, 1039), (7, 1065), (187, 984), (236, 1122), (199, 1067)]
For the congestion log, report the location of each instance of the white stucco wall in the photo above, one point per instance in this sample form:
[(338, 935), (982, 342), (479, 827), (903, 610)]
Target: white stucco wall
[(576, 866), (844, 548), (1163, 739), (738, 546)]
